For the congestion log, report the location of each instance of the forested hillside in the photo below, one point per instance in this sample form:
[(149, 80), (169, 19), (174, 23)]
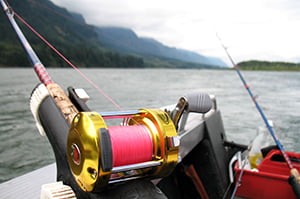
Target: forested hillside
[(78, 41)]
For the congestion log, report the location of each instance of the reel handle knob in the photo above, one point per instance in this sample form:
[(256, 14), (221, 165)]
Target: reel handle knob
[(193, 102), (198, 102)]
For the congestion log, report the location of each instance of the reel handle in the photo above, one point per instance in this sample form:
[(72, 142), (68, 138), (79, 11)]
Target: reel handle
[(193, 102)]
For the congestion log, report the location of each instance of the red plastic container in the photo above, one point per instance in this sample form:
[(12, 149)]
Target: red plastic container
[(271, 179)]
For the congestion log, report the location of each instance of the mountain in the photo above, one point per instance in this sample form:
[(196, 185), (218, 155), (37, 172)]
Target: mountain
[(126, 41), (75, 39), (85, 45)]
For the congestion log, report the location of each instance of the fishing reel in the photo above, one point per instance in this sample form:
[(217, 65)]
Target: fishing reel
[(145, 145)]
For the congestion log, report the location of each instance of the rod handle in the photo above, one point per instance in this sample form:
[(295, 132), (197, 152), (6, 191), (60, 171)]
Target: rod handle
[(63, 102)]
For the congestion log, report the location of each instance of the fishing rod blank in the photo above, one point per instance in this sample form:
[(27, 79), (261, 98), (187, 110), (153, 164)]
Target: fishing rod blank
[(35, 61)]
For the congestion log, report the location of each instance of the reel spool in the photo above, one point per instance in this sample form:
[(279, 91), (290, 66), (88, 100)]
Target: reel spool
[(146, 146)]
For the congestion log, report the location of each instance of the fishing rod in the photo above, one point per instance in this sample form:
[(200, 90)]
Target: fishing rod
[(52, 109), (63, 102), (294, 172)]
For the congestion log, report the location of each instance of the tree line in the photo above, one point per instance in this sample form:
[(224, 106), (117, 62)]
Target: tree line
[(269, 65)]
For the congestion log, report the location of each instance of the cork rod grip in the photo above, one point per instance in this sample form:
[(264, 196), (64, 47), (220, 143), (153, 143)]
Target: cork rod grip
[(63, 102)]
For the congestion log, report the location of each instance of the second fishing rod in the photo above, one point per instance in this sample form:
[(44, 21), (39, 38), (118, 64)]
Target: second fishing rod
[(295, 176)]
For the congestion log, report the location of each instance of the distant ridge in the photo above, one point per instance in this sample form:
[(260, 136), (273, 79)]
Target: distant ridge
[(76, 41), (126, 41), (86, 45)]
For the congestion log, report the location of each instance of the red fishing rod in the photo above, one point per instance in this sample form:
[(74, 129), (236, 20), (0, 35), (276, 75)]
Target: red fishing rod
[(59, 96), (295, 177)]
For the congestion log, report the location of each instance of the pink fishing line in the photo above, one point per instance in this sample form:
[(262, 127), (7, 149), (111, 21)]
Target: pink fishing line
[(130, 144), (69, 62)]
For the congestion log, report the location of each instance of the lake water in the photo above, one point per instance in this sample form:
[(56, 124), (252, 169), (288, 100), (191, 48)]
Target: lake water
[(22, 149)]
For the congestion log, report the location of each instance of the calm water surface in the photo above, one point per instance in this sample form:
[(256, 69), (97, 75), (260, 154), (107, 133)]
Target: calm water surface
[(22, 149)]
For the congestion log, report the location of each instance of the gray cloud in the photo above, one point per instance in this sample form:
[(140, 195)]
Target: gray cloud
[(253, 26)]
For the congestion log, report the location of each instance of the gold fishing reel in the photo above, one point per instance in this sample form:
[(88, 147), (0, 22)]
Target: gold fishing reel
[(146, 145)]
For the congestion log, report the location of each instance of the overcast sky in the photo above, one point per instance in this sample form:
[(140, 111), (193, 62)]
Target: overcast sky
[(251, 29)]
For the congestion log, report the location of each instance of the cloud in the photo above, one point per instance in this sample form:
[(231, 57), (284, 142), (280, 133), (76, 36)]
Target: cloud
[(252, 29)]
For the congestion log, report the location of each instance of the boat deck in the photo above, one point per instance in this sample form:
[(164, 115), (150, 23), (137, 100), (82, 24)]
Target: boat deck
[(28, 185), (22, 187)]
